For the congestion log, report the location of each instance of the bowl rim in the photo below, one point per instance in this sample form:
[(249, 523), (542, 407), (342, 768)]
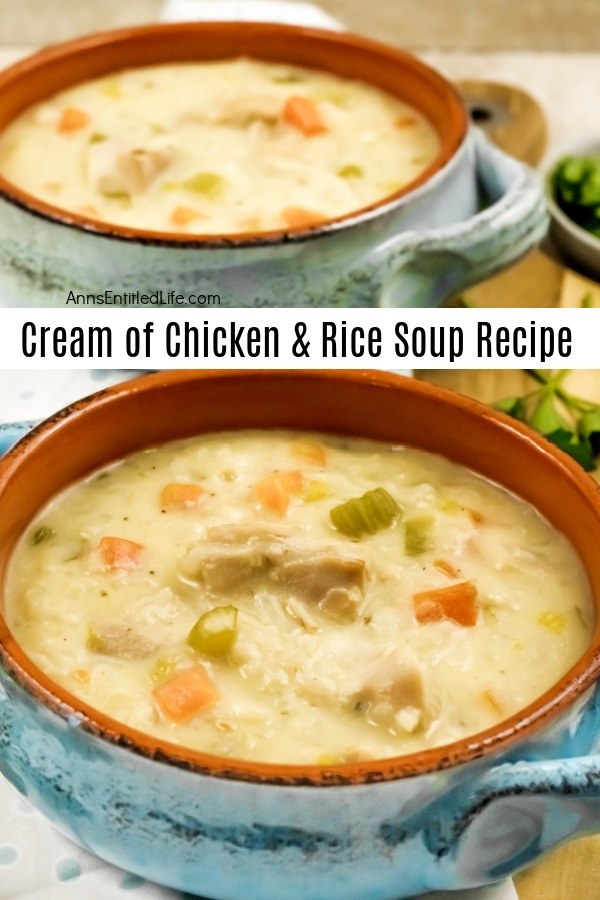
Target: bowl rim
[(501, 737), (449, 149)]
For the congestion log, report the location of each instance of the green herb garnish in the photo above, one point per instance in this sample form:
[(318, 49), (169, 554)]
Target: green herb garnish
[(575, 182), (570, 422)]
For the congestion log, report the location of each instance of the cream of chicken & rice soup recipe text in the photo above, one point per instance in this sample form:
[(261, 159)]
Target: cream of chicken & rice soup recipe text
[(298, 339)]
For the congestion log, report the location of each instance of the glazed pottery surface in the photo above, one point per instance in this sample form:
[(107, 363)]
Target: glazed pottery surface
[(473, 212), (456, 816)]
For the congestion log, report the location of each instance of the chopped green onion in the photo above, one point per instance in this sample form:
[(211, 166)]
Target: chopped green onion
[(215, 632), (575, 184), (364, 515)]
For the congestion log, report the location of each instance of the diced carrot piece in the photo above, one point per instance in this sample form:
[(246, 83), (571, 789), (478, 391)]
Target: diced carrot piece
[(310, 451), (405, 122), (183, 215), (298, 217), (189, 692), (82, 676), (274, 492), (303, 113), (458, 603), (119, 553), (180, 495), (72, 119), (445, 568)]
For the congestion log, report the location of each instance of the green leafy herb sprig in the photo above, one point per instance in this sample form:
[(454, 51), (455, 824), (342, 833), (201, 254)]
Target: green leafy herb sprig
[(570, 422)]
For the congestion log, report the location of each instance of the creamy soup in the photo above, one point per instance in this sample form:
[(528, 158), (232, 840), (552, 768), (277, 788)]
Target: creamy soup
[(217, 148), (298, 598)]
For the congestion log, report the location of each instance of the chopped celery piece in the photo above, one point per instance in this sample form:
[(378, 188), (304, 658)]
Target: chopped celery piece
[(123, 196), (553, 622), (350, 171), (315, 490), (95, 643), (161, 669), (96, 137), (111, 89), (418, 534), (215, 632), (288, 78), (450, 506), (364, 515), (328, 759), (41, 534), (207, 183)]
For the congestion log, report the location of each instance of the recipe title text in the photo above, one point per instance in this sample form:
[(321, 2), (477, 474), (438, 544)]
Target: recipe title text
[(330, 340), (400, 339)]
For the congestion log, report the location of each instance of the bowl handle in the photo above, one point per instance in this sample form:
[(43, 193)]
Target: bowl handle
[(426, 267), (515, 813)]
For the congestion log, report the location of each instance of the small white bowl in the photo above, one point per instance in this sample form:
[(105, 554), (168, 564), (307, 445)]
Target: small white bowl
[(579, 246)]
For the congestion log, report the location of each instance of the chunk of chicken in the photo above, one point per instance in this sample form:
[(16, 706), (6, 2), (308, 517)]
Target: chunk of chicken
[(241, 111), (317, 574), (116, 168), (242, 532), (119, 639), (222, 567), (394, 690), (334, 581)]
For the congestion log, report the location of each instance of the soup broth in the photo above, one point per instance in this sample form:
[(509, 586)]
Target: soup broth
[(297, 598), (217, 148)]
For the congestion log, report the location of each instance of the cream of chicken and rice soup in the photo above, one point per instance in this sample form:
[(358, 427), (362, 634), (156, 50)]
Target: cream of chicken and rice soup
[(297, 598), (217, 147)]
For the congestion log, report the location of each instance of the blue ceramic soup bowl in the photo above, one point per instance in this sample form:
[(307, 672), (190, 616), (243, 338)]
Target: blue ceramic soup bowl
[(472, 212), (455, 816)]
